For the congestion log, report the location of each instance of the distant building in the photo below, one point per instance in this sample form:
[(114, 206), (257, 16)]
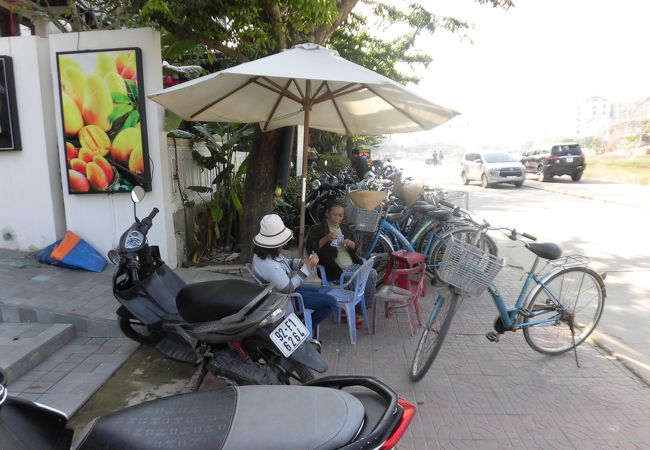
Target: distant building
[(629, 120), (593, 118)]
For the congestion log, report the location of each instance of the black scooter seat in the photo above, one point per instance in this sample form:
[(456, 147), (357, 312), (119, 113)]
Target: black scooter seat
[(246, 417), (214, 300), (546, 250)]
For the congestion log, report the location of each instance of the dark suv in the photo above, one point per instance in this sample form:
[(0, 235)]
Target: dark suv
[(556, 159)]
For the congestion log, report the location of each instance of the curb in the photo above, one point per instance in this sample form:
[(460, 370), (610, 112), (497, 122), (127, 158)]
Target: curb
[(610, 344)]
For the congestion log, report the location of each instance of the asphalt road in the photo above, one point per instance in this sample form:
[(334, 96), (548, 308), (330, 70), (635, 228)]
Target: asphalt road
[(605, 221)]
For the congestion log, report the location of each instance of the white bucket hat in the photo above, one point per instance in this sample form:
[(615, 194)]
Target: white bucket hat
[(272, 233)]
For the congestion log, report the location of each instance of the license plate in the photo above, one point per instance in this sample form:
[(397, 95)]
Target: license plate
[(288, 336), (569, 159)]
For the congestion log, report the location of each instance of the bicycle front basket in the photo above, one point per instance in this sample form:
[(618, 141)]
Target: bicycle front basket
[(468, 267), (366, 219)]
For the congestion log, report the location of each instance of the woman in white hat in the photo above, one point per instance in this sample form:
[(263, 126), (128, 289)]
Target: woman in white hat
[(274, 268)]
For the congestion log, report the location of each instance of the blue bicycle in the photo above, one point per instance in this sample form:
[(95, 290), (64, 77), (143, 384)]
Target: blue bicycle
[(380, 233), (558, 307)]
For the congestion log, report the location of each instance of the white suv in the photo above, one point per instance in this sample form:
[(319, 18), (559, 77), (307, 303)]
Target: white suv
[(492, 168)]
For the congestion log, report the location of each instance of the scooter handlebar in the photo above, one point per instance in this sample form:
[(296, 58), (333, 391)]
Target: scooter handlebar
[(153, 213), (147, 222)]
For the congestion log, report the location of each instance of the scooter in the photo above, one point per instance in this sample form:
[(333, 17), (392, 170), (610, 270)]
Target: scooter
[(238, 331), (319, 415)]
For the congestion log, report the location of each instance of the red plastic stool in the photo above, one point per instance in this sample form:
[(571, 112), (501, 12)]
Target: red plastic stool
[(403, 259), (394, 297), (403, 285)]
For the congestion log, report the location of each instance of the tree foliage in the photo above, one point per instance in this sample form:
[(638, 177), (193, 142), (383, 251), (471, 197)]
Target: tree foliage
[(228, 32)]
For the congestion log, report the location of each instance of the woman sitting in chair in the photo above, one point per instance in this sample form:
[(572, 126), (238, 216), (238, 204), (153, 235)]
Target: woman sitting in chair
[(274, 268), (333, 242)]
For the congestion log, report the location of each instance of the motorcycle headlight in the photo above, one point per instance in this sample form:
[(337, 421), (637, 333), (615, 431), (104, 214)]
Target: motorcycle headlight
[(275, 316), (315, 184)]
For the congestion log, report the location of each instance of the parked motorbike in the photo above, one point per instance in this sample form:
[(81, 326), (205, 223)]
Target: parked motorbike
[(235, 330), (319, 415), (324, 189)]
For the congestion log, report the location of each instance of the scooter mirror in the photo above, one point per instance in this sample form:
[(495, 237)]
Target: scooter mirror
[(137, 194), (114, 256)]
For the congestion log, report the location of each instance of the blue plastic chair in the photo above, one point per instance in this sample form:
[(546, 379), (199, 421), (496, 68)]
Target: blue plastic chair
[(348, 299), (299, 302)]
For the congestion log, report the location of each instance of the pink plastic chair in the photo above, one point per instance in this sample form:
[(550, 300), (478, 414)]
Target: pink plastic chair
[(394, 297)]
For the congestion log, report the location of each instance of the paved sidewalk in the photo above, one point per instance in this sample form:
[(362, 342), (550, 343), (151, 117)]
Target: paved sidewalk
[(477, 394), (502, 395)]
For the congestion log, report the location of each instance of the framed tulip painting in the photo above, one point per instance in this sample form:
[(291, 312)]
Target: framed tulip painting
[(104, 122), (9, 129)]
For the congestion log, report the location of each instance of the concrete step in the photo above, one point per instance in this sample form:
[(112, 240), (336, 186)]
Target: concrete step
[(24, 346), (71, 375)]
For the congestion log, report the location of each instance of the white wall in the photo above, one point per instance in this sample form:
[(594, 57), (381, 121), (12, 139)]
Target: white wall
[(31, 205), (100, 219)]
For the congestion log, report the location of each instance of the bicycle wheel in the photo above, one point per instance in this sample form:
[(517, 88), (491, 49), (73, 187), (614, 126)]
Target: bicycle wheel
[(577, 297), (433, 335), (464, 234)]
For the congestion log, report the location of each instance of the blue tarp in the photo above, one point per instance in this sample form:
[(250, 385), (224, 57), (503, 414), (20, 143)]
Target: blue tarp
[(72, 252)]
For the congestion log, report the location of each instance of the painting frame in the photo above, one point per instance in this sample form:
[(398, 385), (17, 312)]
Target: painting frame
[(9, 123), (103, 120)]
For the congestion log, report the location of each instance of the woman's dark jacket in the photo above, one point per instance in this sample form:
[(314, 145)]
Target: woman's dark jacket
[(327, 254)]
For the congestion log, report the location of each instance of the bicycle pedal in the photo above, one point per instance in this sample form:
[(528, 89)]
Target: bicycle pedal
[(492, 336)]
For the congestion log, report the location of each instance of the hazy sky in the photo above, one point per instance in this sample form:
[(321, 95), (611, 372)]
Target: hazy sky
[(529, 67)]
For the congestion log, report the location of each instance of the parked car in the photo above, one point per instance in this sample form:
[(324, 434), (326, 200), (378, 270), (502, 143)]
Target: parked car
[(492, 168), (552, 160)]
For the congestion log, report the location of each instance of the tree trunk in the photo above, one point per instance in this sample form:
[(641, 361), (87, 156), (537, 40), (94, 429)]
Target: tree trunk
[(258, 188)]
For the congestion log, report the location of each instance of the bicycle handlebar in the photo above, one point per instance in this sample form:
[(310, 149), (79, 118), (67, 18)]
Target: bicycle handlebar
[(513, 233), (529, 236), (447, 204)]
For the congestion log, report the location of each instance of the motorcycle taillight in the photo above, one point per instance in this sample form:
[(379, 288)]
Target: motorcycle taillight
[(402, 425)]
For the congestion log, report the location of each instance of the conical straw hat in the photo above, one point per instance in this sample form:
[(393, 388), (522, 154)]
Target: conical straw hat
[(412, 192), (367, 199)]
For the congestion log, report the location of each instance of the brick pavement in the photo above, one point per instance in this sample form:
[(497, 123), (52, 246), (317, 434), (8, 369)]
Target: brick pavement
[(480, 394), (477, 394)]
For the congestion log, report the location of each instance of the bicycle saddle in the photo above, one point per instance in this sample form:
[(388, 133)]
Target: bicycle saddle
[(393, 217), (546, 250), (214, 300), (423, 209), (441, 215)]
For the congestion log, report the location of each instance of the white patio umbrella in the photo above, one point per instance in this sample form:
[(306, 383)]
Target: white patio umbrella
[(306, 85)]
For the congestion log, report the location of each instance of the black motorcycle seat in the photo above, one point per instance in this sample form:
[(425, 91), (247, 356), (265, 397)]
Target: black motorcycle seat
[(395, 209), (423, 209), (441, 215), (546, 250), (421, 203), (233, 418), (214, 300), (393, 217)]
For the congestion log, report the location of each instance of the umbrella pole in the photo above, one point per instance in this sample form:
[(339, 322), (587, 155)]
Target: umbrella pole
[(305, 140)]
